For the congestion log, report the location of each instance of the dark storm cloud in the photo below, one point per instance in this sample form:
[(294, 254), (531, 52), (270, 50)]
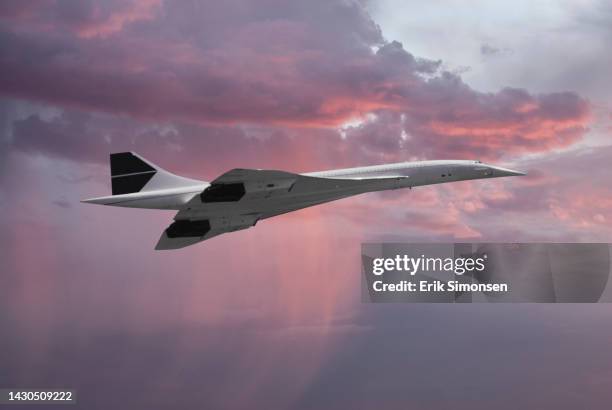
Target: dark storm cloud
[(186, 64), (276, 63)]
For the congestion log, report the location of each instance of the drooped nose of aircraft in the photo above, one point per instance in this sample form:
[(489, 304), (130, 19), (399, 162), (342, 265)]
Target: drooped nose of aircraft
[(504, 172)]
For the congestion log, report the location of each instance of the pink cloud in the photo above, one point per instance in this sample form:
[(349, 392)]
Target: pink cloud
[(84, 19), (295, 70)]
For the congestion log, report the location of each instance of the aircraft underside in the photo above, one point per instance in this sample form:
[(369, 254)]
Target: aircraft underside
[(226, 207)]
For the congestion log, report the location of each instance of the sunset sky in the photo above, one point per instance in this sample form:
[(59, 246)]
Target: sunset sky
[(271, 317)]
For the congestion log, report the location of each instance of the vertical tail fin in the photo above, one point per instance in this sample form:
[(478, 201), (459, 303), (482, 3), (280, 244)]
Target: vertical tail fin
[(129, 173), (132, 173)]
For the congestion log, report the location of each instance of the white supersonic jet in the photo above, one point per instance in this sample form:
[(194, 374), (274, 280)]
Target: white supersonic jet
[(241, 197)]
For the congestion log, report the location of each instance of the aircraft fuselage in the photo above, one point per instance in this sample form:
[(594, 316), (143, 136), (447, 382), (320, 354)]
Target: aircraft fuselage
[(241, 197)]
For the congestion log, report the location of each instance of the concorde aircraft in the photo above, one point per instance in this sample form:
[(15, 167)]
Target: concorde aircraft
[(240, 198)]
